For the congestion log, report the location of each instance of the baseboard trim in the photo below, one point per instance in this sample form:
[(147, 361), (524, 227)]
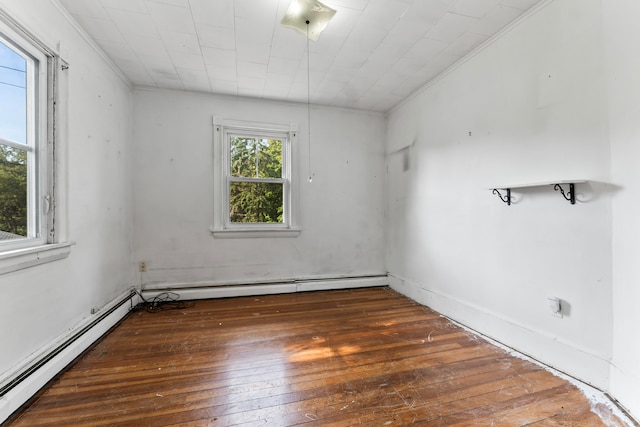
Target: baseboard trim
[(27, 379), (578, 363), (216, 290), (627, 394)]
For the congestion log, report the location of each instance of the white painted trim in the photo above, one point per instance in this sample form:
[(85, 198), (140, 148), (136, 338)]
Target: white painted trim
[(38, 76), (624, 388), (565, 357), (176, 286), (596, 397), (19, 259), (209, 291), (225, 291), (348, 283), (21, 30), (227, 233), (223, 129), (23, 391)]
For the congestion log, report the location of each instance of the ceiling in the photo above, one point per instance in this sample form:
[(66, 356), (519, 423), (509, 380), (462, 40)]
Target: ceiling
[(372, 55)]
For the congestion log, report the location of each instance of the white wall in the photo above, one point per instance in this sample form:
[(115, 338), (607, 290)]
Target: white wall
[(341, 212), (553, 98), (43, 302), (623, 40), (530, 107)]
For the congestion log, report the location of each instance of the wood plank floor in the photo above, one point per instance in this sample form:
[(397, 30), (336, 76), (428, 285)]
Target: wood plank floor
[(339, 358)]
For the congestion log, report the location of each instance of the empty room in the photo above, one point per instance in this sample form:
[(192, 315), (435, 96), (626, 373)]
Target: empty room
[(336, 213)]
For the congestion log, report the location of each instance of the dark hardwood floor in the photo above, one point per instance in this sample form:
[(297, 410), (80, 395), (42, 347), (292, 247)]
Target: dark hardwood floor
[(340, 358)]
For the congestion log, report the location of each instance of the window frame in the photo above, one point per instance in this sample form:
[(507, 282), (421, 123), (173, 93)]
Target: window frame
[(43, 243), (37, 136), (223, 130)]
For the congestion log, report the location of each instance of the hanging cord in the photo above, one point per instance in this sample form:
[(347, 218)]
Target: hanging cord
[(309, 103)]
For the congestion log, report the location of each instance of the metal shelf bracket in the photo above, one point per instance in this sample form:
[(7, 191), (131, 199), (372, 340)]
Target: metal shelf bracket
[(506, 199), (570, 195)]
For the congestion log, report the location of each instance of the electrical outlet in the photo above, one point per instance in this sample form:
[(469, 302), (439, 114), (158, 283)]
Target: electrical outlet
[(555, 305), (143, 266)]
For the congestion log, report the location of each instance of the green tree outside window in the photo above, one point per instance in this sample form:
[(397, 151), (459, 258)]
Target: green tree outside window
[(13, 190), (259, 200)]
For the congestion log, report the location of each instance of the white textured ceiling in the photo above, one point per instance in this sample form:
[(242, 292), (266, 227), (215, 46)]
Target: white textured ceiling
[(373, 54)]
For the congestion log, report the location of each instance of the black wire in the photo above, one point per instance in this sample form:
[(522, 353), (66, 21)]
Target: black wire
[(163, 301), (10, 84), (12, 69)]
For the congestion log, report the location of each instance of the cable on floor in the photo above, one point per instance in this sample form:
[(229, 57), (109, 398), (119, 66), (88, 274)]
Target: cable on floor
[(163, 301)]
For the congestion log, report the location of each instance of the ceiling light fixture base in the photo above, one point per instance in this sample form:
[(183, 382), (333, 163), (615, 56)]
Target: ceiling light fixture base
[(308, 17)]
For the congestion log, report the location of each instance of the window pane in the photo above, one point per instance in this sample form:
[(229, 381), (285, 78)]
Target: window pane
[(13, 95), (255, 202), (13, 193), (253, 157)]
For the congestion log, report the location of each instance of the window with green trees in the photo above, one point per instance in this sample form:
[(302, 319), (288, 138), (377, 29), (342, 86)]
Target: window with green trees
[(13, 192), (255, 191), (256, 180), (24, 181), (13, 144)]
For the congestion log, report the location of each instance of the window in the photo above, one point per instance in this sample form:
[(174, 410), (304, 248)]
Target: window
[(254, 189), (255, 182), (26, 144), (23, 131)]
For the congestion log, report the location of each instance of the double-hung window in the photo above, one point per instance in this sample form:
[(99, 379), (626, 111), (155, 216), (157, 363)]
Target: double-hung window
[(27, 81), (255, 179)]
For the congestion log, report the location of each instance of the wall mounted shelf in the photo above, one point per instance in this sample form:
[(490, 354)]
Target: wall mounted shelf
[(569, 195)]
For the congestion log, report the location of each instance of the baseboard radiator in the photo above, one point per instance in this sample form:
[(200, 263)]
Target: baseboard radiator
[(206, 290), (50, 355)]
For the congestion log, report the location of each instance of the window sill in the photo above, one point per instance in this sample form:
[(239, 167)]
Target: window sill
[(227, 233), (20, 259)]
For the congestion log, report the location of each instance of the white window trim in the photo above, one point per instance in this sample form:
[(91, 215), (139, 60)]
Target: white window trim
[(221, 226), (19, 259), (48, 243)]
